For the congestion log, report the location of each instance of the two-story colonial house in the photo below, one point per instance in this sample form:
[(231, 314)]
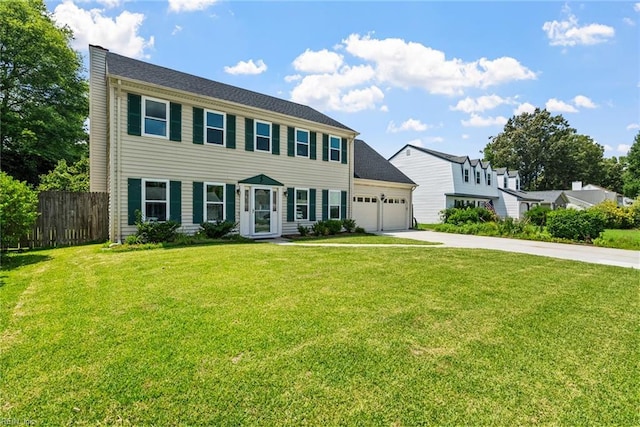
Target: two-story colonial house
[(171, 145), (513, 202), (445, 181)]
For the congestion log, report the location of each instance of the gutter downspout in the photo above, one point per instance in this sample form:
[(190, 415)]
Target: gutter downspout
[(117, 162)]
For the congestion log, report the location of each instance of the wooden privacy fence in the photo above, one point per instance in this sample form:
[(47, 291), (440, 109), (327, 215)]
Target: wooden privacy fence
[(67, 218)]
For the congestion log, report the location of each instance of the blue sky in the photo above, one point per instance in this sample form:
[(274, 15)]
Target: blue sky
[(442, 75)]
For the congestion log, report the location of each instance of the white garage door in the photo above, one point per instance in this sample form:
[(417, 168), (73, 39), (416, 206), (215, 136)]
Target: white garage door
[(365, 212), (394, 215)]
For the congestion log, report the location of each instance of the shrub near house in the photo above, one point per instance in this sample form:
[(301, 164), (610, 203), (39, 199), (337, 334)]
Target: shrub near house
[(19, 210)]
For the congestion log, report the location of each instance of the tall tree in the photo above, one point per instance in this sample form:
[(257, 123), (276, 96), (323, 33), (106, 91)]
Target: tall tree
[(43, 96), (546, 151), (612, 173), (631, 175)]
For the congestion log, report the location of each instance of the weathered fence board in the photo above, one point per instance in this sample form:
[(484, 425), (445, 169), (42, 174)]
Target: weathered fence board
[(67, 218)]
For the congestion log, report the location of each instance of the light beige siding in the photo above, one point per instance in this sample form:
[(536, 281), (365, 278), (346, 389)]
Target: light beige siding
[(98, 132)]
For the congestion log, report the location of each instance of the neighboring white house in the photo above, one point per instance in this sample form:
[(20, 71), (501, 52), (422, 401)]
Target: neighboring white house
[(513, 202), (382, 197), (579, 197), (445, 181), (171, 145)]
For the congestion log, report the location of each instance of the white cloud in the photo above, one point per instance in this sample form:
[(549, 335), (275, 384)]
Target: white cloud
[(384, 109), (292, 78), (247, 67), (569, 33), (630, 22), (607, 147), (321, 61), (189, 5), (633, 126), (524, 108), (408, 125), (409, 64), (478, 121), (416, 142), (556, 106), (465, 136), (119, 34), (109, 4), (584, 102), (361, 99), (623, 148), (636, 7), (483, 103), (176, 30), (434, 139)]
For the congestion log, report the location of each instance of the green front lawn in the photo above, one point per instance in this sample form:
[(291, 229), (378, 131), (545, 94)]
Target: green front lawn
[(263, 334), (621, 239)]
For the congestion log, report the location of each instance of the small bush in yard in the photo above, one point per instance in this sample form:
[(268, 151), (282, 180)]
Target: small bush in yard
[(155, 232), (303, 230), (575, 225), (320, 228), (349, 225), (459, 216), (538, 215), (615, 216), (360, 230), (334, 226), (217, 229), (18, 210)]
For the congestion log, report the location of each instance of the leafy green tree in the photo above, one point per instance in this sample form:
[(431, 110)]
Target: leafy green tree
[(43, 96), (546, 151), (631, 176), (612, 173), (18, 210), (67, 178)]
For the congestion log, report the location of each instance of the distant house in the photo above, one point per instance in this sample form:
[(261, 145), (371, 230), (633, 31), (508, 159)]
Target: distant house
[(513, 202), (173, 146)]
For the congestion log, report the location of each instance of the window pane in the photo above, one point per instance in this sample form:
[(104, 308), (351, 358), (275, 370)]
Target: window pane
[(215, 136), (215, 193), (155, 127), (334, 212), (301, 212), (215, 120), (156, 109), (156, 211), (262, 144), (334, 198), (155, 190), (335, 155), (301, 196), (303, 150), (214, 212), (302, 136), (263, 129), (335, 143)]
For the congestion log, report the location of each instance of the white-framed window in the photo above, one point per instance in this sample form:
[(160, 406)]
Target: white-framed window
[(302, 204), (155, 114), (214, 202), (335, 144), (477, 177), (155, 199), (302, 143), (263, 136), (214, 127), (334, 204), (505, 182), (517, 184), (466, 175), (489, 178)]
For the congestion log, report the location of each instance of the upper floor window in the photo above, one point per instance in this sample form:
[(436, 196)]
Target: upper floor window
[(214, 127), (155, 113), (466, 175), (505, 182), (334, 204), (489, 178), (334, 148), (155, 200), (263, 136), (477, 177), (517, 184), (302, 204), (302, 143)]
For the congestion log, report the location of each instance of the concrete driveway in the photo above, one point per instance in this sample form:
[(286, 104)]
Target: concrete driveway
[(590, 254)]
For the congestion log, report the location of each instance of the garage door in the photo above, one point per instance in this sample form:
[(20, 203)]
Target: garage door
[(365, 212), (394, 215)]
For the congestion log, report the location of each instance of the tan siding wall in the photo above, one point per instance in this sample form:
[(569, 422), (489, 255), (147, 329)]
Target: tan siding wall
[(148, 157), (98, 134)]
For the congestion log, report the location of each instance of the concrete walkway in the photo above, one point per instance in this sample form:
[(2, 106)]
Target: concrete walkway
[(584, 253)]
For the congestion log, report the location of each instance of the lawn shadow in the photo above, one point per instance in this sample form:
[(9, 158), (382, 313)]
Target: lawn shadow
[(13, 261)]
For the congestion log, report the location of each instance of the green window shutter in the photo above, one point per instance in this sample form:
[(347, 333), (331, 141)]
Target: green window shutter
[(291, 204), (325, 205), (312, 146), (343, 205), (343, 154), (291, 143), (134, 199), (175, 122), (231, 131), (175, 201), (198, 202), (312, 204), (248, 134), (134, 114), (275, 139), (230, 202), (198, 125), (325, 147)]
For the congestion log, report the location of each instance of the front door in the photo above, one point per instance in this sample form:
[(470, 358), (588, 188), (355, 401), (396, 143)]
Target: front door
[(264, 211)]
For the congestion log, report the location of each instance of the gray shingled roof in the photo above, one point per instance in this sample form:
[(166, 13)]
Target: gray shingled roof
[(521, 195), (369, 164), (548, 195), (122, 66), (449, 157)]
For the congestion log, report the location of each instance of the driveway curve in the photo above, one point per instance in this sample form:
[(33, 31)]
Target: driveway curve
[(584, 253)]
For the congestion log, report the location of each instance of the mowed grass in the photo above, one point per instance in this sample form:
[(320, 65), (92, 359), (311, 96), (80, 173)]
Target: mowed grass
[(291, 335), (622, 239), (362, 239)]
